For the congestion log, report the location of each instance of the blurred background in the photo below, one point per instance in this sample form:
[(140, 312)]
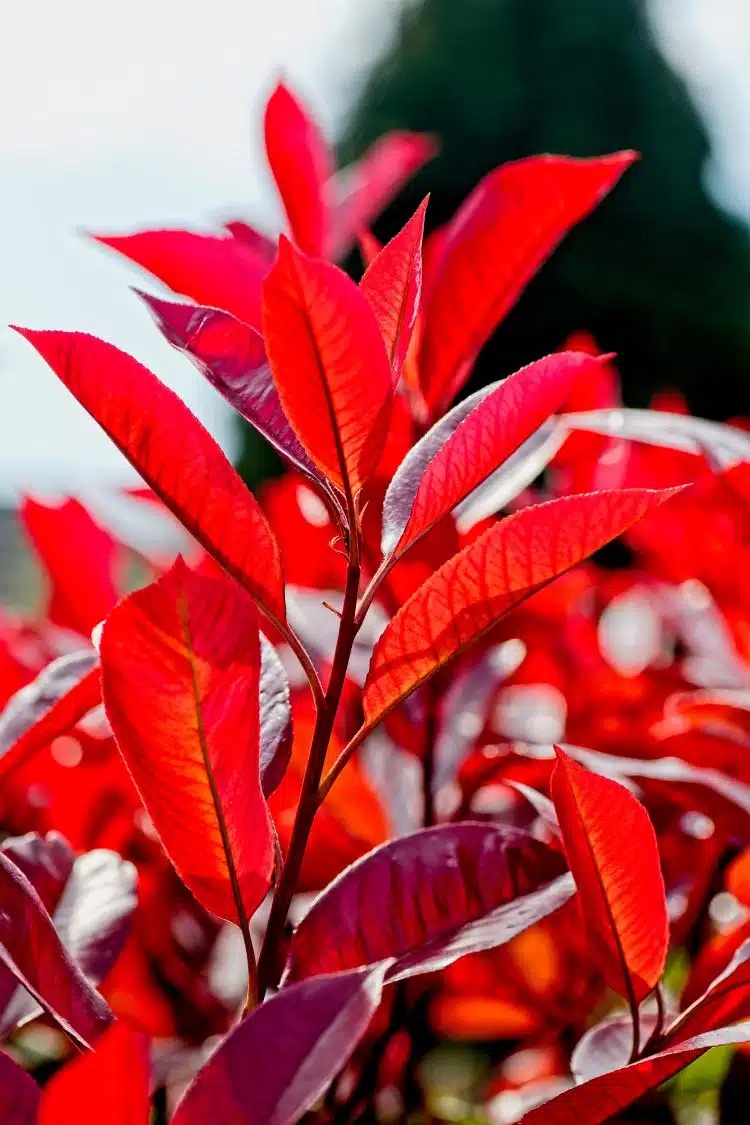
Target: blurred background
[(152, 116)]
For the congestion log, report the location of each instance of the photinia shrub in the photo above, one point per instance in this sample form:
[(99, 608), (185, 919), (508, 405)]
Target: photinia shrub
[(516, 787)]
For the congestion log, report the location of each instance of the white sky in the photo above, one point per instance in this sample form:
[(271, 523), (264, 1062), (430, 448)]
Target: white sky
[(119, 116)]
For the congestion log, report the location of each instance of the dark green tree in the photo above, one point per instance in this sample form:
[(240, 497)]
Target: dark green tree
[(658, 274)]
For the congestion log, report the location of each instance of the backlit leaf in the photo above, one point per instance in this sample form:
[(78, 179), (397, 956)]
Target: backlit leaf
[(110, 1086)]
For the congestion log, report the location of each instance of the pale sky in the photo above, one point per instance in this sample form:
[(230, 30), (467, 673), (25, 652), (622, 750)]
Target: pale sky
[(148, 113)]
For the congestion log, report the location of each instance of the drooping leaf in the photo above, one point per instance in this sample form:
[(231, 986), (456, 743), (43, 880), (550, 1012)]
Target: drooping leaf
[(61, 695), (362, 190), (469, 443), (727, 445), (275, 718), (173, 453), (109, 1086), (215, 270), (32, 953), (180, 682), (613, 854), (232, 356), (392, 284), (275, 1065), (19, 1094), (329, 364), (440, 893), (301, 164), (469, 593), (493, 246)]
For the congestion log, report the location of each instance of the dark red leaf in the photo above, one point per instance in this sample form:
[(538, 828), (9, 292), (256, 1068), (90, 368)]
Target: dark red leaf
[(440, 893), (468, 594), (392, 284), (33, 953), (276, 1064), (493, 246), (275, 718), (110, 1086), (45, 861), (19, 1094), (174, 454), (301, 164), (180, 682), (469, 443), (232, 356), (215, 270), (329, 364)]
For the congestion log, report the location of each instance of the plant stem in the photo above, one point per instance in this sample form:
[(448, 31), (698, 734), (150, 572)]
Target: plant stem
[(310, 797), (428, 768)]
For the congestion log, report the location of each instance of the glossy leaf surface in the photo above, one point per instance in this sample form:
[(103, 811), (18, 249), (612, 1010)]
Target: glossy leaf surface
[(275, 718), (727, 445), (470, 592), (173, 453), (275, 1065), (612, 851), (180, 676), (329, 364)]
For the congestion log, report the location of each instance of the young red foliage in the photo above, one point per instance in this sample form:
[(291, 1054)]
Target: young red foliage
[(109, 1086)]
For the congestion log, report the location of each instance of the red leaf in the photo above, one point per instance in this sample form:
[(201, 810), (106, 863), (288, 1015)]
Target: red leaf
[(61, 695), (470, 442), (276, 1064), (275, 718), (441, 893), (365, 188), (493, 246), (215, 270), (173, 453), (180, 678), (392, 284), (78, 557), (301, 164), (19, 1094), (45, 861), (32, 952), (612, 851), (329, 364), (110, 1086), (468, 594)]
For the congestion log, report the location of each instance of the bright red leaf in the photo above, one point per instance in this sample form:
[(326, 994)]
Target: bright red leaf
[(110, 1086), (180, 681)]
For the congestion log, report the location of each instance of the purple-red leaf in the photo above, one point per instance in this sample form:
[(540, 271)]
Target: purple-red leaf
[(440, 893), (180, 682), (216, 270), (32, 952), (19, 1094), (301, 164), (329, 364), (275, 718), (232, 356), (612, 851), (469, 443), (493, 246), (275, 1065), (174, 454), (468, 594), (45, 861), (392, 284)]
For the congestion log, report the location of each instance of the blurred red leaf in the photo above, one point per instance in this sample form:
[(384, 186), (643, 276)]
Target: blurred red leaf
[(180, 681), (109, 1086)]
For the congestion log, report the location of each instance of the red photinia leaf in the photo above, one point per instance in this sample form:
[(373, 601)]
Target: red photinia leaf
[(264, 246), (608, 1045), (61, 695), (109, 1086), (493, 246), (275, 718), (469, 443), (180, 676), (216, 270), (45, 861), (78, 557), (392, 284), (468, 594), (275, 1065), (232, 356), (329, 364), (442, 893), (92, 913), (32, 952), (301, 164), (173, 453), (725, 1000), (363, 189), (612, 851), (19, 1094)]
